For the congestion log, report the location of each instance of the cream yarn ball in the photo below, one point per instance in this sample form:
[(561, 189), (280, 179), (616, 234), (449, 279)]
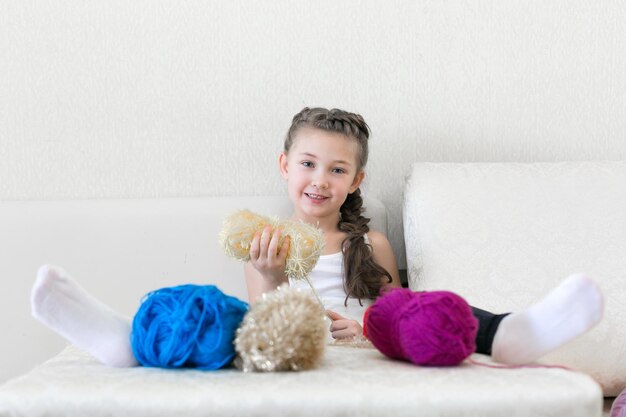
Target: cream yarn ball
[(284, 331), (306, 242)]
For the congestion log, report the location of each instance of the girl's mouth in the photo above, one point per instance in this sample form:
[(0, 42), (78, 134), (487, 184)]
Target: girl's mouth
[(315, 197)]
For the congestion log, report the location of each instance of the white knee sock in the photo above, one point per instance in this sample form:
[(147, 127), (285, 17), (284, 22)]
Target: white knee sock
[(568, 311), (61, 304)]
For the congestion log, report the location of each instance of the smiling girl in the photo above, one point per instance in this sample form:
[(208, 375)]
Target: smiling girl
[(323, 162)]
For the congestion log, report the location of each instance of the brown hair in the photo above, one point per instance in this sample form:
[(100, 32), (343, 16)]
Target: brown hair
[(362, 275)]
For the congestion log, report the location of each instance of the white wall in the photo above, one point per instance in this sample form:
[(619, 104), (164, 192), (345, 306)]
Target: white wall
[(163, 98)]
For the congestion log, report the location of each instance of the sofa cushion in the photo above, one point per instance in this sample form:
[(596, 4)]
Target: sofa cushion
[(503, 234), (350, 381)]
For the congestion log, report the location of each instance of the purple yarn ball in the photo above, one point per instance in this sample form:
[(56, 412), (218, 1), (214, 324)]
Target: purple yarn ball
[(435, 328), (378, 322)]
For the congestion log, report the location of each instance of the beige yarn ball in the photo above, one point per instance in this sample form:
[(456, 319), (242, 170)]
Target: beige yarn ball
[(306, 242), (237, 232), (283, 331)]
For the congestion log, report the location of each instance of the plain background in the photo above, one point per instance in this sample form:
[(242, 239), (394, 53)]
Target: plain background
[(182, 99)]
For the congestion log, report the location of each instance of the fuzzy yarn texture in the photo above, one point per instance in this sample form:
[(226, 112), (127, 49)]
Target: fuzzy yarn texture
[(306, 242), (283, 331), (187, 326), (435, 328)]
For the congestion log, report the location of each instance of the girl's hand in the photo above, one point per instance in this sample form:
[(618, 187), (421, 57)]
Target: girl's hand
[(267, 257), (342, 328)]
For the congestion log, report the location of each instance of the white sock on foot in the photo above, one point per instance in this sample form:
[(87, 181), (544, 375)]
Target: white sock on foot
[(569, 310), (64, 306)]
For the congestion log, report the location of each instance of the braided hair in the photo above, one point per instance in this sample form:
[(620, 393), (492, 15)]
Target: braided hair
[(362, 275)]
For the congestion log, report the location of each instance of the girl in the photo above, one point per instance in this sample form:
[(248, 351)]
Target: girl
[(323, 163)]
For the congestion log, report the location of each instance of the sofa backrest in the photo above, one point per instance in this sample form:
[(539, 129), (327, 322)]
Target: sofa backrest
[(118, 250), (503, 234)]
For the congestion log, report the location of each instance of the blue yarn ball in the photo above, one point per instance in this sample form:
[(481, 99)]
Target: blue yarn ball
[(187, 326)]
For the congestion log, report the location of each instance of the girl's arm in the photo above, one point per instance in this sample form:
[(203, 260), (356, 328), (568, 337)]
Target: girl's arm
[(266, 269), (383, 255)]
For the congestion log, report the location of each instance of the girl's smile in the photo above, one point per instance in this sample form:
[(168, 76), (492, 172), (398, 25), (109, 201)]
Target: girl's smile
[(316, 198)]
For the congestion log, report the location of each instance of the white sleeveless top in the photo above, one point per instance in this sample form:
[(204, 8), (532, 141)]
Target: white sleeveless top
[(327, 278)]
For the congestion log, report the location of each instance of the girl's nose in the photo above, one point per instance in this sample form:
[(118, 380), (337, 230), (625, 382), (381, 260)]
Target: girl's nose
[(319, 182)]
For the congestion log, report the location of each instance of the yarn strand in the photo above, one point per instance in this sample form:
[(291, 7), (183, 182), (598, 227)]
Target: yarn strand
[(317, 296)]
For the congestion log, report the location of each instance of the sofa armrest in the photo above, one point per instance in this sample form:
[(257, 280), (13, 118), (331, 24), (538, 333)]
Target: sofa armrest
[(503, 234)]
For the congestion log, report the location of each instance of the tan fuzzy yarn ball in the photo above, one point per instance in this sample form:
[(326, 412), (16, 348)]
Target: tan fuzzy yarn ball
[(238, 229), (306, 242), (284, 331)]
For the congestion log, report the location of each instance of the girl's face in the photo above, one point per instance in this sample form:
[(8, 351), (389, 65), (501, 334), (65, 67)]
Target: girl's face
[(321, 169)]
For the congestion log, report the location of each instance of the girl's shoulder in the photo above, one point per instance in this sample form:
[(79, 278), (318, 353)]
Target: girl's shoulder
[(384, 256), (377, 239)]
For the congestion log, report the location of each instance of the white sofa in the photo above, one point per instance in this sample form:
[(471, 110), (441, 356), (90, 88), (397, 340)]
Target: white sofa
[(499, 234)]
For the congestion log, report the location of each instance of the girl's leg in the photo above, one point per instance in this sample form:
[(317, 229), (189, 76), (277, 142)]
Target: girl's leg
[(568, 311), (64, 306), (488, 324)]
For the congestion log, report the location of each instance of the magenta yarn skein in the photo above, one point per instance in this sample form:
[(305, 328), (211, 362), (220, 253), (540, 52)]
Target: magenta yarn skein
[(379, 322), (435, 328)]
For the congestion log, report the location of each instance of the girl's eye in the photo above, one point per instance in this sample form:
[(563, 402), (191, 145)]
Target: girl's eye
[(339, 170), (307, 163)]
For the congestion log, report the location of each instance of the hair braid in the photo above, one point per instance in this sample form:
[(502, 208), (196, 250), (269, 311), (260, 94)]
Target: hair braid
[(363, 276)]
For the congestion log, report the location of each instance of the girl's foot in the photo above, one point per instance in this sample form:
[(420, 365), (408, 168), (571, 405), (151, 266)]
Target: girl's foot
[(64, 306), (568, 311)]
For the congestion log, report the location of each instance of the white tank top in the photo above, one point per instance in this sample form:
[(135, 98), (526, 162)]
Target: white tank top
[(327, 278)]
